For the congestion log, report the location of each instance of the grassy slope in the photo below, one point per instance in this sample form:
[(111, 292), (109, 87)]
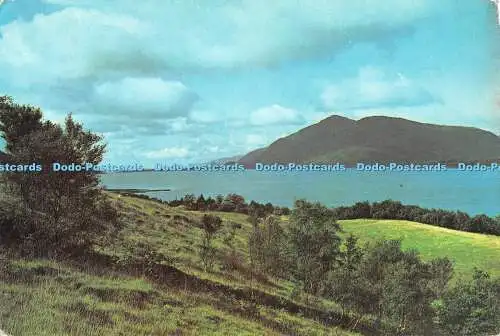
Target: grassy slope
[(43, 297), (468, 250)]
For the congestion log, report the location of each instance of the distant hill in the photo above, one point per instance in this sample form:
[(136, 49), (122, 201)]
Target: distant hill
[(379, 139), (226, 160)]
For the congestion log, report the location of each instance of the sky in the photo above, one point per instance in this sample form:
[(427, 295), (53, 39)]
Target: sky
[(189, 81)]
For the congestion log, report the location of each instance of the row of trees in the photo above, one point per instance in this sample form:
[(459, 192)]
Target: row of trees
[(390, 209), (387, 209), (229, 203)]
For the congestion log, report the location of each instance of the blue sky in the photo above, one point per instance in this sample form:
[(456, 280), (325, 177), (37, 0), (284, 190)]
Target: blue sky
[(183, 81)]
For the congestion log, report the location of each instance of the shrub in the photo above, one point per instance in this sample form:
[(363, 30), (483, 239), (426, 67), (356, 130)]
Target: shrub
[(210, 225), (268, 248)]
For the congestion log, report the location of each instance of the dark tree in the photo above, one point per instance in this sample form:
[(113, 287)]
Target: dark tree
[(67, 210)]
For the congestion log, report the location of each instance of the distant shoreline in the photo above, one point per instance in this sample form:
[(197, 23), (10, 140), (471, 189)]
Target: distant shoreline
[(321, 167), (134, 190)]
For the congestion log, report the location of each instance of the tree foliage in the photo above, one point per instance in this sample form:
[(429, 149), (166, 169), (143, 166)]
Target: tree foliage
[(268, 247), (471, 308), (314, 243), (64, 210), (211, 225)]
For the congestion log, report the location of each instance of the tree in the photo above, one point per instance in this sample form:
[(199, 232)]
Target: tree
[(201, 203), (362, 210), (231, 235), (211, 225), (398, 288), (232, 260), (471, 308), (67, 210), (387, 209), (189, 201), (314, 243), (235, 199), (255, 211), (407, 296), (345, 285), (462, 221), (219, 199), (268, 247), (442, 272)]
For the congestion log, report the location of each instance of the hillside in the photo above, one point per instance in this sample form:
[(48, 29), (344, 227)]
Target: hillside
[(226, 160), (379, 139), (106, 294), (468, 250)]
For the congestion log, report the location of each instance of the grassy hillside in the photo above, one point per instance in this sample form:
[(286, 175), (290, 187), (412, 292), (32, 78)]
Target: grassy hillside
[(107, 294), (468, 250), (98, 296)]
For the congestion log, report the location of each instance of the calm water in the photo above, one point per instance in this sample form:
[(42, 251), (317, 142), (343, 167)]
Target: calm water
[(472, 192)]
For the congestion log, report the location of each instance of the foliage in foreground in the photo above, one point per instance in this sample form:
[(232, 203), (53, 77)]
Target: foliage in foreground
[(379, 279), (59, 212)]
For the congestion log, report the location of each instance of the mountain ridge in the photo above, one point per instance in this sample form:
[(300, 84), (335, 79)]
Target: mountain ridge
[(379, 139)]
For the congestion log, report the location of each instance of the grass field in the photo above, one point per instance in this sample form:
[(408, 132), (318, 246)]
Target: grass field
[(44, 297), (467, 250)]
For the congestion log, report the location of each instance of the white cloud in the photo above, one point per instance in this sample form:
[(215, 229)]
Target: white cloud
[(275, 115), (126, 36), (205, 117), (374, 88), (146, 97), (214, 149), (168, 153), (253, 140), (71, 43)]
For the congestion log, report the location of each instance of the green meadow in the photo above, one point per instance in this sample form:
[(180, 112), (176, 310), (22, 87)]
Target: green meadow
[(467, 250)]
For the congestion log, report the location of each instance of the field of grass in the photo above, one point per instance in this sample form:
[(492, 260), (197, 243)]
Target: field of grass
[(467, 250), (44, 297), (97, 297)]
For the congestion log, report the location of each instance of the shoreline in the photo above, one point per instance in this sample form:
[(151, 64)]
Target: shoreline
[(134, 190)]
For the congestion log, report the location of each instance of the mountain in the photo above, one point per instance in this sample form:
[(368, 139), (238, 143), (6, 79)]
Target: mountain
[(226, 160), (379, 139)]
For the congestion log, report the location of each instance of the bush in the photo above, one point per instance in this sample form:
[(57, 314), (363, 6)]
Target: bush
[(210, 225), (268, 248), (471, 308)]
